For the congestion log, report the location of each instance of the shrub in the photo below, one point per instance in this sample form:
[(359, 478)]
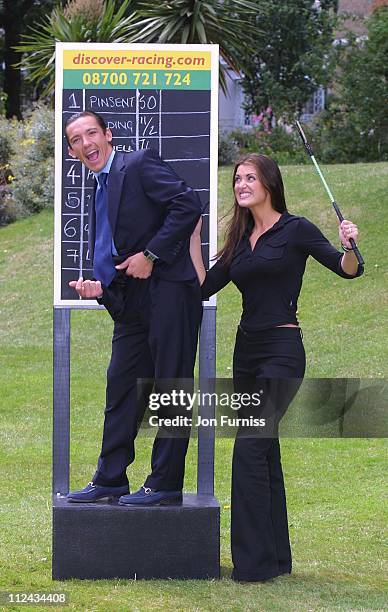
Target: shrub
[(228, 149), (33, 162), (282, 145), (3, 102), (10, 210), (338, 138), (8, 137)]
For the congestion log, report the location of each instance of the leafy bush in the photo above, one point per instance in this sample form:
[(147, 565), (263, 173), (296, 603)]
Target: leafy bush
[(33, 162), (283, 146), (3, 101), (8, 135), (9, 211), (338, 138), (228, 149)]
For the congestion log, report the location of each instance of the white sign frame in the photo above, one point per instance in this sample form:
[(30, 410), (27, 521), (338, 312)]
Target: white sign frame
[(59, 141)]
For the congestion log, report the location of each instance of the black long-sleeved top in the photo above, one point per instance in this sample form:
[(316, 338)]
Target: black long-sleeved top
[(269, 277)]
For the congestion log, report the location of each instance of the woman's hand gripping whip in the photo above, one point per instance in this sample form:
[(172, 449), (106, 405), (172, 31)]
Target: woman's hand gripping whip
[(332, 200)]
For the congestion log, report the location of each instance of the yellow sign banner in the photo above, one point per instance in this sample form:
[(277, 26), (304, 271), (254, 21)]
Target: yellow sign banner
[(137, 59)]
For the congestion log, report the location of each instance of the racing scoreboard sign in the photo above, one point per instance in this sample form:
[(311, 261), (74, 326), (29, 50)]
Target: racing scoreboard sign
[(151, 96)]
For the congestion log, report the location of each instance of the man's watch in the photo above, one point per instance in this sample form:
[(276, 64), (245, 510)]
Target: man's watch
[(150, 256)]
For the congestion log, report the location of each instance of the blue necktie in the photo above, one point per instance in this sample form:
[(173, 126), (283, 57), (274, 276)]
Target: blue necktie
[(103, 267)]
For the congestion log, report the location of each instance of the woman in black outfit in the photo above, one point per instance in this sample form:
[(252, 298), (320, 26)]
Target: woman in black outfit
[(265, 255)]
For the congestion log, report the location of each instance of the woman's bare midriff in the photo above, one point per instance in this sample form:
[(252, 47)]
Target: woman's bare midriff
[(288, 325)]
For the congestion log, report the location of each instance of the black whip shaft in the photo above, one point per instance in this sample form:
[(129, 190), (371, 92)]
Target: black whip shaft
[(309, 150)]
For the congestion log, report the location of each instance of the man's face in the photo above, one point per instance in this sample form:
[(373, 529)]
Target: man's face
[(88, 143)]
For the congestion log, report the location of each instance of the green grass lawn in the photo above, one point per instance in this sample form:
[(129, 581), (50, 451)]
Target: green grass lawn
[(334, 487)]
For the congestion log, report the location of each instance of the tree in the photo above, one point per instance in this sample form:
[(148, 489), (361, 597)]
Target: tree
[(15, 16), (296, 57), (78, 21), (228, 23), (362, 87)]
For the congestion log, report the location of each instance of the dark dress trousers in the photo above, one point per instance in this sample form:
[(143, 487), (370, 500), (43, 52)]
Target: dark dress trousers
[(156, 320)]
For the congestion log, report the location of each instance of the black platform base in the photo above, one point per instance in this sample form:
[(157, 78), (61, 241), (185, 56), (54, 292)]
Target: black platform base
[(103, 540)]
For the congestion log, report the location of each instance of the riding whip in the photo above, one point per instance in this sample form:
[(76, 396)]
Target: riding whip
[(332, 200)]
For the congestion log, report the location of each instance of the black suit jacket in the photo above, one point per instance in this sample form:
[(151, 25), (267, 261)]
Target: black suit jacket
[(149, 207)]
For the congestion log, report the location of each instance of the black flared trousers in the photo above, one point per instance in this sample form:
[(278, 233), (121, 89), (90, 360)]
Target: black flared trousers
[(272, 364)]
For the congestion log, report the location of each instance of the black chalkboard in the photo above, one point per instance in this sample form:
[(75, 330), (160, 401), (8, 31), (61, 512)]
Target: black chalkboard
[(175, 123)]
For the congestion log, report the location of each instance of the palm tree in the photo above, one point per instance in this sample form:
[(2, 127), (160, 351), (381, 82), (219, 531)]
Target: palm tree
[(222, 22), (79, 21)]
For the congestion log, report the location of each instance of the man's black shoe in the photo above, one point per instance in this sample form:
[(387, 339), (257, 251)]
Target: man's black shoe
[(93, 493), (149, 497)]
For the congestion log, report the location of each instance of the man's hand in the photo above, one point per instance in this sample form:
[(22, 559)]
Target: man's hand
[(137, 266), (88, 289)]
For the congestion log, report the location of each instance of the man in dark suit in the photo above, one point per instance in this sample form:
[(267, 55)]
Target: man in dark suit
[(139, 227)]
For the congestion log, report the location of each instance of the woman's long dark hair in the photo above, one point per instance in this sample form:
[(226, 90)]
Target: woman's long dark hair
[(269, 175)]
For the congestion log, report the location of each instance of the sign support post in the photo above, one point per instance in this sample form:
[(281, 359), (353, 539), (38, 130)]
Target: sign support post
[(61, 400), (207, 374)]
